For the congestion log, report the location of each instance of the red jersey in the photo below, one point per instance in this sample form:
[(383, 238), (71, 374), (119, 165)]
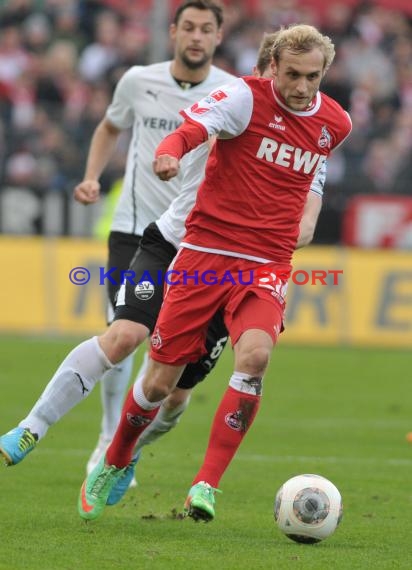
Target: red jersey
[(260, 170)]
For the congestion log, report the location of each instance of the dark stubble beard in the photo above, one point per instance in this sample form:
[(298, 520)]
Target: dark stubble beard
[(190, 64)]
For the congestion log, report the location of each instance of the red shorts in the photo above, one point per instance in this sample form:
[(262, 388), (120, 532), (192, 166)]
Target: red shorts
[(203, 283)]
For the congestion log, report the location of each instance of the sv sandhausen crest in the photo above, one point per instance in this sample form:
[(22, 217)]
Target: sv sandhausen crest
[(144, 290)]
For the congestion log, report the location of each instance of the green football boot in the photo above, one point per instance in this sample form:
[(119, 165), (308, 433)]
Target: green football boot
[(200, 502), (97, 488)]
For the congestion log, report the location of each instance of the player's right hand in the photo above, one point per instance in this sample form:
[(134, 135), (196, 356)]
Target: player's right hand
[(166, 166), (87, 192)]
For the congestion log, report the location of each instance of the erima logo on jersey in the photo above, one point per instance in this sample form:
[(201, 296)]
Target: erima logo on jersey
[(213, 98), (289, 156), (277, 123)]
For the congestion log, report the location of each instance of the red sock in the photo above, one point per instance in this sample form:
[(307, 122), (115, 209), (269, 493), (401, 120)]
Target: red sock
[(133, 422), (233, 418)]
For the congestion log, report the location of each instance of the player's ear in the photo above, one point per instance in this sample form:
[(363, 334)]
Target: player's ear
[(273, 68), (255, 71), (219, 36), (172, 32)]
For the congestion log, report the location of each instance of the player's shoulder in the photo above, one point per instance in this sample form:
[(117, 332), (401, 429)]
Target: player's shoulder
[(255, 80), (139, 77), (330, 105), (130, 78), (235, 89), (148, 71), (219, 76), (158, 68), (259, 88), (337, 118), (261, 83)]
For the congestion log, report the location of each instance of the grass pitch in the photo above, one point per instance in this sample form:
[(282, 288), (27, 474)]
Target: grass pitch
[(342, 413)]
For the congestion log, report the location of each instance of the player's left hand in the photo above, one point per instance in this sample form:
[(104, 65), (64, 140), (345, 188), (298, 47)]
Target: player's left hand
[(166, 166)]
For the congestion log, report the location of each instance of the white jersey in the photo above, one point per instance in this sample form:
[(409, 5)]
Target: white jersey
[(172, 222), (148, 99)]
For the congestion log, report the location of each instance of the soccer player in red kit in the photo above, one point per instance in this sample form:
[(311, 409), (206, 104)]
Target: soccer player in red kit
[(273, 136)]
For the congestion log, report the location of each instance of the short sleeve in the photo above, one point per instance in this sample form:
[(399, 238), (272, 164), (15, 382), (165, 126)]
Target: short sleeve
[(319, 180), (121, 110), (226, 112)]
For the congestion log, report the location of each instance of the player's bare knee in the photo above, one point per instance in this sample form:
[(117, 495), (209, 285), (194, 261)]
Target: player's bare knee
[(127, 341), (160, 381), (156, 390), (121, 339), (254, 360)]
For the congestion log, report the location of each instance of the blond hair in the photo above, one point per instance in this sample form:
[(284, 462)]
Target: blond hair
[(301, 38)]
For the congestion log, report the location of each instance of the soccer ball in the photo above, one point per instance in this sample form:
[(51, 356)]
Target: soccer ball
[(308, 508)]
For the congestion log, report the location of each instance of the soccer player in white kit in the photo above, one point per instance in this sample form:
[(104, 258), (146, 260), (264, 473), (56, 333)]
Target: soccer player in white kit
[(147, 99)]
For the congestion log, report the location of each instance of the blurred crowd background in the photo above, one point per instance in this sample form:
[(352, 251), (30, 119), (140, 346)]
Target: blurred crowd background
[(60, 60)]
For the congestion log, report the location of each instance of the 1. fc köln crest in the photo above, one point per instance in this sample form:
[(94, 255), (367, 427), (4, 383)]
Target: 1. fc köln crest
[(325, 138)]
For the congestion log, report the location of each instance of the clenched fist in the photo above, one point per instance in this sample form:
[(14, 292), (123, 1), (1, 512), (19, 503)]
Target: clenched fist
[(166, 166), (87, 192)]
